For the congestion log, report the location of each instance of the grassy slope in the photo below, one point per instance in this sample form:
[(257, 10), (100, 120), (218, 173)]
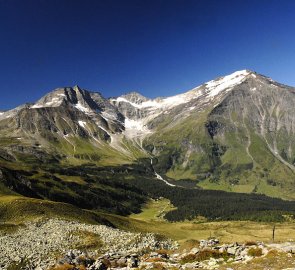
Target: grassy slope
[(154, 210), (268, 175), (18, 209), (172, 139), (236, 170), (274, 261), (226, 231)]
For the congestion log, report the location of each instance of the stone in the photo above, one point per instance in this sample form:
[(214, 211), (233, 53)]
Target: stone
[(232, 250), (98, 265), (132, 262), (194, 250), (191, 265), (59, 236), (122, 261), (212, 262)]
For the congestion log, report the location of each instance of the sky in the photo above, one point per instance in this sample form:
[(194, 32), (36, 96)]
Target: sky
[(155, 47)]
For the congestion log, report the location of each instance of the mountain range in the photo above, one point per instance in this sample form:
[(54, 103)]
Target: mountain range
[(234, 133)]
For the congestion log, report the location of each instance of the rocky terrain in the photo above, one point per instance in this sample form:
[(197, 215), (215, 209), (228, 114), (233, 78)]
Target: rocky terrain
[(206, 254), (40, 243), (59, 244)]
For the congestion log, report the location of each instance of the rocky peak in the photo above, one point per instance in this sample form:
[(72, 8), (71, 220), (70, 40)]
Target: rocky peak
[(75, 96), (77, 88), (53, 99), (135, 97)]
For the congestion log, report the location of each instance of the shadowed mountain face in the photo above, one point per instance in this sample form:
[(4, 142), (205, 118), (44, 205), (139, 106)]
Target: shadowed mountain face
[(235, 133)]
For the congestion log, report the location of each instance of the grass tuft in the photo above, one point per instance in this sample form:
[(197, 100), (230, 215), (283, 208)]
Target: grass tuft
[(255, 252)]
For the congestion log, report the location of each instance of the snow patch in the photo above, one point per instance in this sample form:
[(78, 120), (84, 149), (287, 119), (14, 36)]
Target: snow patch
[(215, 87), (108, 116), (54, 102), (121, 99), (37, 106), (135, 124), (82, 124), (82, 108), (8, 114), (136, 128), (164, 104)]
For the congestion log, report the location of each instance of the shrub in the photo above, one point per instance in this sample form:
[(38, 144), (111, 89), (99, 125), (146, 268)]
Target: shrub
[(203, 255), (272, 253), (106, 262), (189, 244), (255, 252), (158, 266), (250, 243), (206, 254), (24, 264), (88, 240), (65, 266), (154, 260), (163, 251), (188, 258)]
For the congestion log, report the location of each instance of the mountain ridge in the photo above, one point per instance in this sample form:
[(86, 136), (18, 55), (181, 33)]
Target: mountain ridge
[(215, 134)]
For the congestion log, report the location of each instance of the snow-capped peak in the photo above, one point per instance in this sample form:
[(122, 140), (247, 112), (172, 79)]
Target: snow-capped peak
[(226, 82), (79, 98), (212, 89), (137, 122), (135, 97)]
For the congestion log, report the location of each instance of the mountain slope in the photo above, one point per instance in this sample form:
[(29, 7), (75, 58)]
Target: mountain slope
[(234, 133), (242, 140), (68, 123)]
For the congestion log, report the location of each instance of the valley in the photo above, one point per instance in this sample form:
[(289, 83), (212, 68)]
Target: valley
[(214, 162)]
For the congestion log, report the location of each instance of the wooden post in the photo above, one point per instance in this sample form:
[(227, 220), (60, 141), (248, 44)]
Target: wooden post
[(273, 232)]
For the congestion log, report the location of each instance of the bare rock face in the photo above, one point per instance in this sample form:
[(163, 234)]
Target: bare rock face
[(133, 105), (135, 97), (62, 115), (258, 109)]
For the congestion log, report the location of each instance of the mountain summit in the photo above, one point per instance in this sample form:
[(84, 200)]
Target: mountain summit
[(234, 133)]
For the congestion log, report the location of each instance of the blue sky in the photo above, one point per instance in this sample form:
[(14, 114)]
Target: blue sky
[(155, 47)]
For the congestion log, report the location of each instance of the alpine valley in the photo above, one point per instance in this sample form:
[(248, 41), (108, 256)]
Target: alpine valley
[(223, 150), (88, 182)]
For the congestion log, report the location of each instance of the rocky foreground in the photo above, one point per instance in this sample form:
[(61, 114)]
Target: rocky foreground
[(57, 245), (40, 244)]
